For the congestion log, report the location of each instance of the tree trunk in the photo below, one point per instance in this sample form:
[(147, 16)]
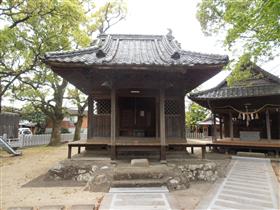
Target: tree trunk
[(78, 126), (1, 94), (55, 137), (0, 104)]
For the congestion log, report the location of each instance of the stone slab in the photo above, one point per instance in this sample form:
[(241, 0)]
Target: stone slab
[(251, 154), (139, 199), (139, 190), (140, 163), (52, 207), (82, 207), (251, 159), (20, 208), (243, 192)]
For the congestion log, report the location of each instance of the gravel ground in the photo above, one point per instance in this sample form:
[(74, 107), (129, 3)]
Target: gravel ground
[(35, 162), (23, 183)]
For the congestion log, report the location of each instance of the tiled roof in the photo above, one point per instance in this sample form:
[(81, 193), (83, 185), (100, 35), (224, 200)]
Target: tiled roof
[(264, 84), (117, 49)]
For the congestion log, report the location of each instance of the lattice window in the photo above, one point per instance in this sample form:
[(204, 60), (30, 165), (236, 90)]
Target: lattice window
[(102, 106), (172, 107)]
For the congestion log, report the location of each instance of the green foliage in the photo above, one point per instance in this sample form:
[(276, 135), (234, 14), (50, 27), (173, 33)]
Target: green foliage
[(78, 99), (30, 29), (250, 25), (195, 114), (32, 114)]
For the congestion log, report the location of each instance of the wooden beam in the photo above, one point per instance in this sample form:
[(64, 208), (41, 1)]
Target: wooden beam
[(162, 124), (267, 120), (230, 126), (113, 123), (90, 117)]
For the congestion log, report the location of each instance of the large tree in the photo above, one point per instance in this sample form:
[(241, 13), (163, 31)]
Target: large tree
[(30, 29), (107, 16), (195, 114), (249, 27), (81, 102)]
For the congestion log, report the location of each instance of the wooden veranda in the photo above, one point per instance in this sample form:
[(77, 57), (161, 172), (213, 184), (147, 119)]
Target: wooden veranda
[(136, 144)]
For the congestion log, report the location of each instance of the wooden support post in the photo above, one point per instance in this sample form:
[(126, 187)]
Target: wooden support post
[(69, 151), (183, 116), (162, 124), (79, 150), (268, 129), (226, 151), (157, 117), (230, 126), (203, 151), (113, 123), (221, 127), (192, 150), (278, 123), (214, 129), (90, 117)]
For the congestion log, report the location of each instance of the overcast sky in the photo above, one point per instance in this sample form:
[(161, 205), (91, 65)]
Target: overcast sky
[(155, 16)]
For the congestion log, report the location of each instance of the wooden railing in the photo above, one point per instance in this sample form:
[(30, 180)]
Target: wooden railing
[(194, 135)]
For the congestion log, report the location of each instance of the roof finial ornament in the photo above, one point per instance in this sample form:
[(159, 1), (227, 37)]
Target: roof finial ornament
[(169, 35)]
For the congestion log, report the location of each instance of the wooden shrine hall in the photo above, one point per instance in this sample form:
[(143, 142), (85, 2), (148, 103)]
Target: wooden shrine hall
[(136, 86), (248, 111)]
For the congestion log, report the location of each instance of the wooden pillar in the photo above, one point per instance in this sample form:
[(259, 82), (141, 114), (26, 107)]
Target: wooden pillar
[(90, 117), (221, 127), (162, 125), (267, 120), (183, 116), (157, 117), (230, 126), (278, 124), (113, 123), (214, 129)]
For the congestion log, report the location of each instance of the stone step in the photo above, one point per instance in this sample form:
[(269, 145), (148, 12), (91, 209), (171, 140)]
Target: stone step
[(132, 173), (139, 183), (251, 154)]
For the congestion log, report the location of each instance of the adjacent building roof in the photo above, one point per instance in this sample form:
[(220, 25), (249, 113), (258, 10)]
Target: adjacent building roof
[(209, 121), (261, 84), (118, 49)]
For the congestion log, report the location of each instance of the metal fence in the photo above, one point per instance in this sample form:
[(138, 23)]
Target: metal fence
[(34, 140)]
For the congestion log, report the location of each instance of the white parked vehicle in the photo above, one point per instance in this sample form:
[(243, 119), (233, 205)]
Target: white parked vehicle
[(24, 132)]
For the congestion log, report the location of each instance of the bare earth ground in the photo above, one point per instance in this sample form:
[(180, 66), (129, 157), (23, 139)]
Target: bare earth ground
[(17, 171)]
